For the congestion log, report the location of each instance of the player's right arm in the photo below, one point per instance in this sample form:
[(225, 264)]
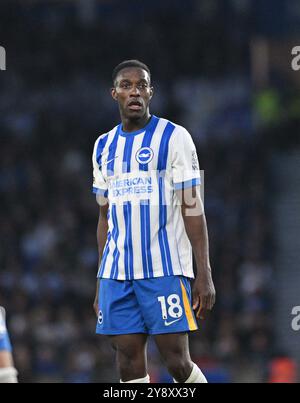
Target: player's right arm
[(100, 189), (102, 229)]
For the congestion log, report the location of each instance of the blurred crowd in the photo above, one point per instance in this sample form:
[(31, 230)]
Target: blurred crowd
[(55, 102)]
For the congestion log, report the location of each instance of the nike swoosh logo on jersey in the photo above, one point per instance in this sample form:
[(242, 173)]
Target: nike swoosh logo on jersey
[(108, 161), (170, 323)]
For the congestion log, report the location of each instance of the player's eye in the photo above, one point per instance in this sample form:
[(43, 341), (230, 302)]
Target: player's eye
[(125, 86), (142, 86)]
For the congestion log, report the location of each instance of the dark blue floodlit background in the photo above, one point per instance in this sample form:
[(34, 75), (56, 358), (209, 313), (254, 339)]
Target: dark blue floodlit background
[(223, 70)]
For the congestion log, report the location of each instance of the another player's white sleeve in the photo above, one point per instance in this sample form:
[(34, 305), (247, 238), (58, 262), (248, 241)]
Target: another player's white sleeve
[(99, 183), (185, 165)]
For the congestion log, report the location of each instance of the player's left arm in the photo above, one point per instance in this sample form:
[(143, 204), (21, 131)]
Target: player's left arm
[(204, 293), (186, 181)]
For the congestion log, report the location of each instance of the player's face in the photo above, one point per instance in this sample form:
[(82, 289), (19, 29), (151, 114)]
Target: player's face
[(133, 92)]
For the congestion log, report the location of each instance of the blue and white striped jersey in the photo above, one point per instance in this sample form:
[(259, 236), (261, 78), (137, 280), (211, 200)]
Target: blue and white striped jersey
[(139, 172)]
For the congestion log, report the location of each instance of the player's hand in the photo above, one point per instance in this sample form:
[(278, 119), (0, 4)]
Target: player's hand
[(95, 304), (204, 294)]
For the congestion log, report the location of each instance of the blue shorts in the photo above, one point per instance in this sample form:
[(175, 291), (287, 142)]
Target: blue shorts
[(153, 306)]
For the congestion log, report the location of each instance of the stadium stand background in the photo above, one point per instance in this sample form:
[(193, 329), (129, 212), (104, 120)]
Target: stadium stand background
[(205, 58)]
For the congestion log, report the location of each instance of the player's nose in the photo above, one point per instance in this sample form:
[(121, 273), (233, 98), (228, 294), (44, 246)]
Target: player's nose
[(134, 91)]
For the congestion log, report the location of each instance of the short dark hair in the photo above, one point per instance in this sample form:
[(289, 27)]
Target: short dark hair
[(129, 63)]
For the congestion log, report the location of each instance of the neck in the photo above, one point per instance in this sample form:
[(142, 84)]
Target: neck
[(131, 125)]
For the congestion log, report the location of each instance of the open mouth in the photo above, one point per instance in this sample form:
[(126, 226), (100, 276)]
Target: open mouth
[(135, 105)]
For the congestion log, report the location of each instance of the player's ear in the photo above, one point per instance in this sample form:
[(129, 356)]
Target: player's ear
[(114, 93), (151, 92)]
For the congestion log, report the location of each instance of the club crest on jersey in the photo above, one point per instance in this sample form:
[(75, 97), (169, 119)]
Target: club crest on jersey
[(100, 318), (144, 155)]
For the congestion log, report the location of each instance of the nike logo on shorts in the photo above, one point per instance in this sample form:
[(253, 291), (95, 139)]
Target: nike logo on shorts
[(170, 323)]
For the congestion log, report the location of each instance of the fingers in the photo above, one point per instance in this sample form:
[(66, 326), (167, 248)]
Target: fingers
[(196, 301), (212, 300), (204, 304), (200, 313), (208, 301)]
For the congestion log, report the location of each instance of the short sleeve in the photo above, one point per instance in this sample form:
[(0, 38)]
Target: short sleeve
[(184, 164), (99, 183)]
